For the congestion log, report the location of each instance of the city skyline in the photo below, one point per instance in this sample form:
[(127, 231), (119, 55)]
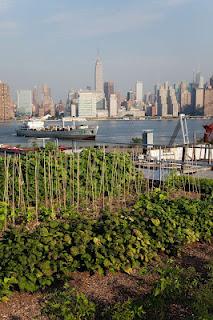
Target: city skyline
[(56, 43)]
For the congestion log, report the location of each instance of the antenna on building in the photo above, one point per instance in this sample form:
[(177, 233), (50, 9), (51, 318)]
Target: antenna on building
[(193, 77), (98, 54)]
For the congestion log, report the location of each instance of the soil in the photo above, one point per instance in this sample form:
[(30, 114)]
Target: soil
[(107, 289)]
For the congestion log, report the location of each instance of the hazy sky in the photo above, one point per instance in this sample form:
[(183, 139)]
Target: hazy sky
[(56, 42)]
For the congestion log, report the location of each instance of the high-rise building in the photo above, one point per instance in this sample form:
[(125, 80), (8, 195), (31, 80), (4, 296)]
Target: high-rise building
[(113, 107), (36, 101), (24, 102), (6, 104), (151, 111), (172, 102), (119, 99), (139, 91), (167, 104), (99, 76), (208, 102), (130, 95), (100, 101), (199, 80), (108, 90), (47, 102), (185, 98), (199, 100), (59, 109), (162, 104), (87, 101), (71, 104)]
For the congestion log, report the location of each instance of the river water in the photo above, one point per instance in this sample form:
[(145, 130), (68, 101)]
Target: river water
[(114, 131)]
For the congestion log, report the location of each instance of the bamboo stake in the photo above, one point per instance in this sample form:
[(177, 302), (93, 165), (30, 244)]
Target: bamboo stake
[(6, 196), (91, 181), (13, 190), (124, 174), (27, 181), (78, 181), (63, 165), (36, 186), (74, 179), (87, 180), (70, 180), (45, 180)]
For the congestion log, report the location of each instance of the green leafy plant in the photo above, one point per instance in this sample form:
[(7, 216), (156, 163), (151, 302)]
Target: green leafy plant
[(68, 304)]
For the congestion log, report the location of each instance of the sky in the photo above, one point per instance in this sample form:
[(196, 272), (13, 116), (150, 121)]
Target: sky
[(56, 42)]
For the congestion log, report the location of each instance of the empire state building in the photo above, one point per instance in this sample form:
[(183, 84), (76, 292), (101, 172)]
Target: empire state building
[(99, 86)]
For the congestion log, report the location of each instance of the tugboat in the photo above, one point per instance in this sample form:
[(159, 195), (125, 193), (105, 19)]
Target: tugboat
[(36, 128)]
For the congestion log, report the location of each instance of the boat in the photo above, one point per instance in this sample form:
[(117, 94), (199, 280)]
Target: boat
[(36, 128)]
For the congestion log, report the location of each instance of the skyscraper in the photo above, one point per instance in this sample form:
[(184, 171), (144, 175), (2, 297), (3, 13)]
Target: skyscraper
[(162, 105), (172, 103), (113, 107), (199, 80), (139, 91), (6, 104), (108, 90), (99, 76), (24, 102), (208, 102), (87, 104), (167, 104), (36, 100), (185, 98), (47, 102)]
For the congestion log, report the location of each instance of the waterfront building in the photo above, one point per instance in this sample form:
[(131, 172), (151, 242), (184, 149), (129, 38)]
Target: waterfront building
[(167, 104), (6, 104), (162, 105), (197, 94), (208, 102), (100, 101), (72, 100), (197, 100), (59, 109), (151, 110), (113, 107), (47, 101), (139, 91), (185, 98), (36, 100), (108, 90), (102, 114), (99, 75), (24, 102), (87, 101), (119, 99), (172, 102), (74, 110)]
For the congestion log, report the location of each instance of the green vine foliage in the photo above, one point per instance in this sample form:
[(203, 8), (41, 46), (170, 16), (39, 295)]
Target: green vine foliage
[(34, 259), (68, 304)]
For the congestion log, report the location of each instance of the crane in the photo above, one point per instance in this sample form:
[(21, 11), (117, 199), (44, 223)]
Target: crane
[(181, 125)]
